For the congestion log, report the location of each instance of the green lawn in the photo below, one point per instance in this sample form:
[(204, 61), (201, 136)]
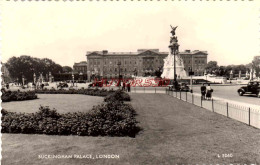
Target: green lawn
[(174, 132), (62, 102)]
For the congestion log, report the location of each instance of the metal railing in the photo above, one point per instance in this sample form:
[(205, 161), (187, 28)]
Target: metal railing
[(230, 109)]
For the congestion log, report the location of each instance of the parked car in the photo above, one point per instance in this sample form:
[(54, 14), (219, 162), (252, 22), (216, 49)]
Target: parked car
[(96, 84), (63, 85), (184, 87), (253, 87), (179, 87)]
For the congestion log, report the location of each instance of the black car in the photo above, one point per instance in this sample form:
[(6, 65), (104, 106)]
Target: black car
[(96, 84), (253, 87), (184, 87), (63, 85)]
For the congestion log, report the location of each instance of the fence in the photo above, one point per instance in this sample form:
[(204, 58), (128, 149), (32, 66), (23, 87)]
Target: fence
[(230, 109)]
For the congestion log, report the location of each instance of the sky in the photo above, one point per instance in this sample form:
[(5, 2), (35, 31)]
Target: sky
[(65, 31)]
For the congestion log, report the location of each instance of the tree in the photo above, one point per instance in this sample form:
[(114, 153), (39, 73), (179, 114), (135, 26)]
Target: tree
[(256, 65), (26, 66), (212, 67), (66, 69)]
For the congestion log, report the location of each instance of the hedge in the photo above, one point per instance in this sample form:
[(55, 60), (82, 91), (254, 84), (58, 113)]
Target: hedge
[(110, 119), (119, 95), (93, 92), (110, 95), (8, 96)]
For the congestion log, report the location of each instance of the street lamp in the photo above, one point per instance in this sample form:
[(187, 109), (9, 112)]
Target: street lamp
[(22, 78), (50, 77), (92, 74), (206, 76), (72, 79), (34, 79), (119, 63)]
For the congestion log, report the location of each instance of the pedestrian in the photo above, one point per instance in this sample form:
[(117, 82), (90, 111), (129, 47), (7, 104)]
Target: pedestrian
[(128, 87), (209, 91), (7, 86), (203, 91), (42, 86), (124, 86)]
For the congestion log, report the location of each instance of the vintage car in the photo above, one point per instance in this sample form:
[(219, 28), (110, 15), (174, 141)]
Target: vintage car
[(179, 87), (96, 84), (184, 87), (252, 87), (63, 85)]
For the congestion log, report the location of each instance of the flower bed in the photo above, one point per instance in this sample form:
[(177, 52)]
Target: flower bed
[(93, 92), (17, 96), (110, 119)]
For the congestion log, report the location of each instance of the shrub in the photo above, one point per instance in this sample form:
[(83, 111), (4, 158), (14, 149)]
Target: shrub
[(92, 92), (119, 95), (18, 96), (111, 119)]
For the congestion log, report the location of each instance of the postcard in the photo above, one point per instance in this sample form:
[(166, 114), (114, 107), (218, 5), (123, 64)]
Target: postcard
[(134, 82)]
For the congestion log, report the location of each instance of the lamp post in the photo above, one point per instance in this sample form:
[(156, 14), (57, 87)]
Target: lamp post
[(119, 63), (34, 79), (72, 79), (92, 74), (206, 74), (50, 77), (23, 79)]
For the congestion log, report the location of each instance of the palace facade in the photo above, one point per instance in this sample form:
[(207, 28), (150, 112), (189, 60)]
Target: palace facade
[(80, 67), (112, 64)]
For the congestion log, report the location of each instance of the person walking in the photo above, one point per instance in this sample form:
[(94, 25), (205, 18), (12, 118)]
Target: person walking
[(123, 86), (42, 86), (128, 87), (209, 91), (203, 91), (7, 86)]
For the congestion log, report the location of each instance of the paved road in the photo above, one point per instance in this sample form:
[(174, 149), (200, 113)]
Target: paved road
[(230, 93)]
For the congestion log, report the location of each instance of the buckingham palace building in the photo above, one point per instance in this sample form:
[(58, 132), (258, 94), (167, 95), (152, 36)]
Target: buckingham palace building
[(105, 64)]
